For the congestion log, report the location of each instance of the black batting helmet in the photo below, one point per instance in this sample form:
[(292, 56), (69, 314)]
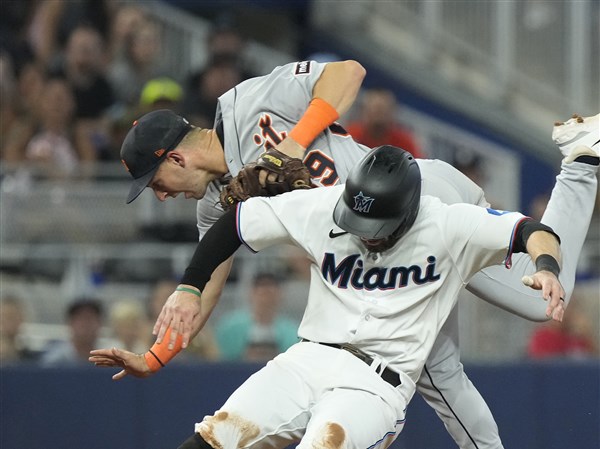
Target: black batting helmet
[(382, 194)]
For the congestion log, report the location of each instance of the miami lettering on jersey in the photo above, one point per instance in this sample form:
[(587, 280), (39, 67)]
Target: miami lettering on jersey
[(350, 271)]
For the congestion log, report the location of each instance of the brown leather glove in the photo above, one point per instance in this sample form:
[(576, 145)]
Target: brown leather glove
[(291, 174)]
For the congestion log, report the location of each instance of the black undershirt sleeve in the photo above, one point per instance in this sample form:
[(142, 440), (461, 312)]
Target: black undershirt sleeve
[(524, 231), (219, 243)]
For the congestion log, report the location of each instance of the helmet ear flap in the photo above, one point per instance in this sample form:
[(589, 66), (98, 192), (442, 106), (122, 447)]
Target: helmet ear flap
[(410, 219)]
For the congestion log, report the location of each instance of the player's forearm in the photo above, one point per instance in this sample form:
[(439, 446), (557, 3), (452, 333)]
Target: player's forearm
[(211, 294), (339, 84), (542, 242), (333, 94), (161, 352), (218, 245)]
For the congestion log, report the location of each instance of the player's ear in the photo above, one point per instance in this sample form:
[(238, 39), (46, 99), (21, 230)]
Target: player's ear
[(176, 157)]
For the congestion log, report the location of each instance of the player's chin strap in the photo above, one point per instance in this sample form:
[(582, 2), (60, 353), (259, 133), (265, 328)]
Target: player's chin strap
[(160, 354)]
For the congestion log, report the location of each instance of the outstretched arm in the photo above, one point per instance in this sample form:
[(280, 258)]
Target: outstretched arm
[(187, 302), (544, 249), (215, 250), (568, 213)]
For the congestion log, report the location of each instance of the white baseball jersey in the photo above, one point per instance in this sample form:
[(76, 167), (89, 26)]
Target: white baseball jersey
[(391, 305)]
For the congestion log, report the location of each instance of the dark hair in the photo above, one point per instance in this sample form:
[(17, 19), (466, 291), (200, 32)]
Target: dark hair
[(84, 303), (265, 277)]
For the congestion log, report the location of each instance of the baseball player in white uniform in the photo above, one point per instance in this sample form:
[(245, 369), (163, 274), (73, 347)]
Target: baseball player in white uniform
[(387, 267), (265, 111)]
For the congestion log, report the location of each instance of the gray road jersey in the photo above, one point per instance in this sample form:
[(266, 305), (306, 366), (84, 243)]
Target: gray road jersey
[(260, 112)]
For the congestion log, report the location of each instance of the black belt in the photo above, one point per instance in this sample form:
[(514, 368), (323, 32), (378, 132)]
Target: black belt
[(388, 375)]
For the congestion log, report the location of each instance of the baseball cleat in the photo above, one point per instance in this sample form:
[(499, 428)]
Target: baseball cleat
[(575, 132)]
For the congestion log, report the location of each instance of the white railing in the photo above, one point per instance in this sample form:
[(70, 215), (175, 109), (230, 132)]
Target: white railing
[(536, 62)]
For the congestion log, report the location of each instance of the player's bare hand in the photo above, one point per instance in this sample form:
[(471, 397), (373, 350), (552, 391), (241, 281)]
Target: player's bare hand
[(552, 292), (131, 363), (178, 313), (292, 148)]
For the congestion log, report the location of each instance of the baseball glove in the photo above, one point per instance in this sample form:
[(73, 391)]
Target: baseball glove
[(290, 174)]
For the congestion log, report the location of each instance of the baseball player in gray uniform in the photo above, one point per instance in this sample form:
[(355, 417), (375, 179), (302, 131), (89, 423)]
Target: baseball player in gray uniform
[(387, 267), (265, 112)]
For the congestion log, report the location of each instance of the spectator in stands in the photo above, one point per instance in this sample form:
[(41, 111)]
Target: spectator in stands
[(20, 102), (260, 332), (226, 42), (8, 97), (205, 87), (84, 320), (14, 23), (127, 18), (83, 65), (12, 347), (160, 93), (203, 346), (52, 22), (139, 63), (30, 86), (118, 127), (129, 325), (37, 27), (572, 338), (297, 264), (471, 165), (378, 124), (54, 141)]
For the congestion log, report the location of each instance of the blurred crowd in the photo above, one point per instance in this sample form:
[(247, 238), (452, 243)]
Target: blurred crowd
[(75, 74), (255, 332)]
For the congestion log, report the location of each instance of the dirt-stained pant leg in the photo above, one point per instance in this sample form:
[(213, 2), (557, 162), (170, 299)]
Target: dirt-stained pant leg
[(351, 419), (324, 397), (447, 389), (568, 213), (268, 410)]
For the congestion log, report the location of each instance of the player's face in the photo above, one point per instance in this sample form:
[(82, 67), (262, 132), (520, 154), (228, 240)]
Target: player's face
[(172, 179)]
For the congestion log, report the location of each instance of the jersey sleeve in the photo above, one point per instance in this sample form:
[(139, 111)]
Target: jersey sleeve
[(208, 210), (294, 218), (287, 90), (260, 111), (478, 237), (260, 223)]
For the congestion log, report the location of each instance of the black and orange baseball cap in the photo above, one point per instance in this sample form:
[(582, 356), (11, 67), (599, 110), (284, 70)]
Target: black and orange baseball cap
[(147, 144)]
